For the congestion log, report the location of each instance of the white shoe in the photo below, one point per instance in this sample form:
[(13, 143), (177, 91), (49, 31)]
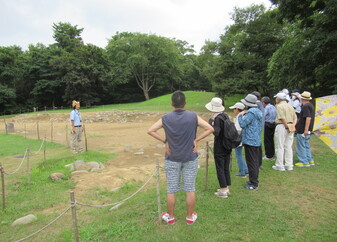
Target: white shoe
[(278, 168)]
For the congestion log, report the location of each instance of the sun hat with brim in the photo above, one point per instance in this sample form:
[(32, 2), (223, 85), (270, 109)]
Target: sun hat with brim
[(296, 94), (281, 95), (250, 100), (238, 105), (306, 95), (215, 105)]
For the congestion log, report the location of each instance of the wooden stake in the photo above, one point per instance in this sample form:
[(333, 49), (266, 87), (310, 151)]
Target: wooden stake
[(85, 138), (28, 168), (38, 130), (67, 135), (44, 149), (51, 131), (207, 157), (5, 126), (25, 131), (158, 191), (73, 211), (3, 187)]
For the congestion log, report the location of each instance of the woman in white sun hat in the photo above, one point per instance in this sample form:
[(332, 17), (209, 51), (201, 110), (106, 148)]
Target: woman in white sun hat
[(221, 154)]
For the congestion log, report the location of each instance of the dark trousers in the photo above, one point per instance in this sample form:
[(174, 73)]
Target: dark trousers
[(222, 162), (260, 156), (252, 159), (269, 146)]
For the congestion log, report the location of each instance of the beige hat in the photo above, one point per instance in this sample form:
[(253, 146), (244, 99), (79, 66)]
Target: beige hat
[(238, 105), (296, 94), (215, 105), (306, 95), (74, 103)]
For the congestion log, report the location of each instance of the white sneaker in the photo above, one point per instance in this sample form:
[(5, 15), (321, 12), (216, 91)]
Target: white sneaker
[(278, 168), (194, 218), (221, 194)]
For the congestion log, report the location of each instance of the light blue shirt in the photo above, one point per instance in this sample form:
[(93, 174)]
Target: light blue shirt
[(270, 113), (76, 116)]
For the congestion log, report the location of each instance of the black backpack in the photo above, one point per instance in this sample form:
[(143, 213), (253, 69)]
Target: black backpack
[(232, 138)]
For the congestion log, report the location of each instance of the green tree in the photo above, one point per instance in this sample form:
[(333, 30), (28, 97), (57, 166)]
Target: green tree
[(67, 37), (314, 41), (147, 60)]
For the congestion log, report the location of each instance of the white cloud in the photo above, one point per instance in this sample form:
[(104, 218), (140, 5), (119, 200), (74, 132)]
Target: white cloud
[(29, 22)]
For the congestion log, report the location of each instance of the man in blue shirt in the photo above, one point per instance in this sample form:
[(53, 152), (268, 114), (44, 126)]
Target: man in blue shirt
[(76, 128), (269, 128), (251, 124)]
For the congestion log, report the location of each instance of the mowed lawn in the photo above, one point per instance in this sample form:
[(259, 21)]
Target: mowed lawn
[(289, 206)]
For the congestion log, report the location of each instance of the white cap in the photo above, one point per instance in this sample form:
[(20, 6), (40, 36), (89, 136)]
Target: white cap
[(281, 95), (238, 105)]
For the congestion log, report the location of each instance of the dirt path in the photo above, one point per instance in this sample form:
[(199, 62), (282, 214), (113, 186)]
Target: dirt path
[(122, 133)]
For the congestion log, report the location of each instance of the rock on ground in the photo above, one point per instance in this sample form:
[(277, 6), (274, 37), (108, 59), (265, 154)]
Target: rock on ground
[(56, 176), (25, 220)]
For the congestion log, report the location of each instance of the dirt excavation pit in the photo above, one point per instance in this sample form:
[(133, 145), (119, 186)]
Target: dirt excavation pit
[(121, 133)]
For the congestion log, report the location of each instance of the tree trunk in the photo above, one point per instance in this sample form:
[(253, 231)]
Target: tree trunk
[(146, 94)]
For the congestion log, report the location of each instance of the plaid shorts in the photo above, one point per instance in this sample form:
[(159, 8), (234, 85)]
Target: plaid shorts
[(188, 171)]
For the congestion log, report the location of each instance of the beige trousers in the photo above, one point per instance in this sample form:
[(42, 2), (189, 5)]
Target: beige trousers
[(283, 147), (76, 140)]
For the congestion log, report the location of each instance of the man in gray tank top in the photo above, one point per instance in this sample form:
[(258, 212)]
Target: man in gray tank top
[(181, 158)]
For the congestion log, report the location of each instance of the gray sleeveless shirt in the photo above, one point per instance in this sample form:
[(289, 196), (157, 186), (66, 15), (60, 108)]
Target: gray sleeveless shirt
[(180, 129)]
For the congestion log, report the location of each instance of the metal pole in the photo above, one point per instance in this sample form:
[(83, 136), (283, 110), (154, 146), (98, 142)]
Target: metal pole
[(73, 211), (3, 187), (28, 169), (207, 157), (158, 191), (38, 131)]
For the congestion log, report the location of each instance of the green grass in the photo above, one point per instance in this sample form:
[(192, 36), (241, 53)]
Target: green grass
[(196, 102), (289, 206)]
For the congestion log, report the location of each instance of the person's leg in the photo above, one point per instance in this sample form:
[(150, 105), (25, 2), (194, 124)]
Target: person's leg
[(307, 148), (172, 171), (190, 203), (252, 163), (269, 141), (280, 133), (300, 148), (241, 162), (171, 201), (226, 167), (288, 150), (73, 142), (79, 139), (259, 156), (189, 173), (219, 159)]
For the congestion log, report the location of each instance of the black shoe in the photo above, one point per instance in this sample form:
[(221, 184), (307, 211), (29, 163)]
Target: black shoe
[(239, 175), (251, 187), (249, 183)]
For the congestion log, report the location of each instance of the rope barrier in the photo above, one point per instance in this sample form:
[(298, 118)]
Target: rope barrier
[(35, 153), (17, 169), (112, 204), (46, 226)]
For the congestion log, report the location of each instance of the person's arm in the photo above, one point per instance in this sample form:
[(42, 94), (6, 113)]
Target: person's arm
[(244, 118), (208, 129), (153, 132), (72, 122), (306, 127)]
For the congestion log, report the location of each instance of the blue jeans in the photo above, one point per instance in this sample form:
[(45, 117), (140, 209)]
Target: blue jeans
[(303, 148), (243, 170)]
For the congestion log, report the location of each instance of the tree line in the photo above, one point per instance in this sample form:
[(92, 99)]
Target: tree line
[(292, 45)]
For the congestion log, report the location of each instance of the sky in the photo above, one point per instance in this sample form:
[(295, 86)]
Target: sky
[(24, 22)]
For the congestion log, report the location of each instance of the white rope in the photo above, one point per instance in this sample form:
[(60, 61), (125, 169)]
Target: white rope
[(43, 228), (11, 173), (35, 153), (112, 204)]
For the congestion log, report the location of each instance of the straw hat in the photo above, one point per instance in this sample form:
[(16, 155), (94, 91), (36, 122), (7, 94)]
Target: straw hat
[(306, 95), (250, 100), (215, 105), (74, 103)]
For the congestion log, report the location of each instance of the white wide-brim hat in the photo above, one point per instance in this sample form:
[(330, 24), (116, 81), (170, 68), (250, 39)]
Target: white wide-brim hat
[(215, 105), (281, 95), (250, 100), (238, 105)]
